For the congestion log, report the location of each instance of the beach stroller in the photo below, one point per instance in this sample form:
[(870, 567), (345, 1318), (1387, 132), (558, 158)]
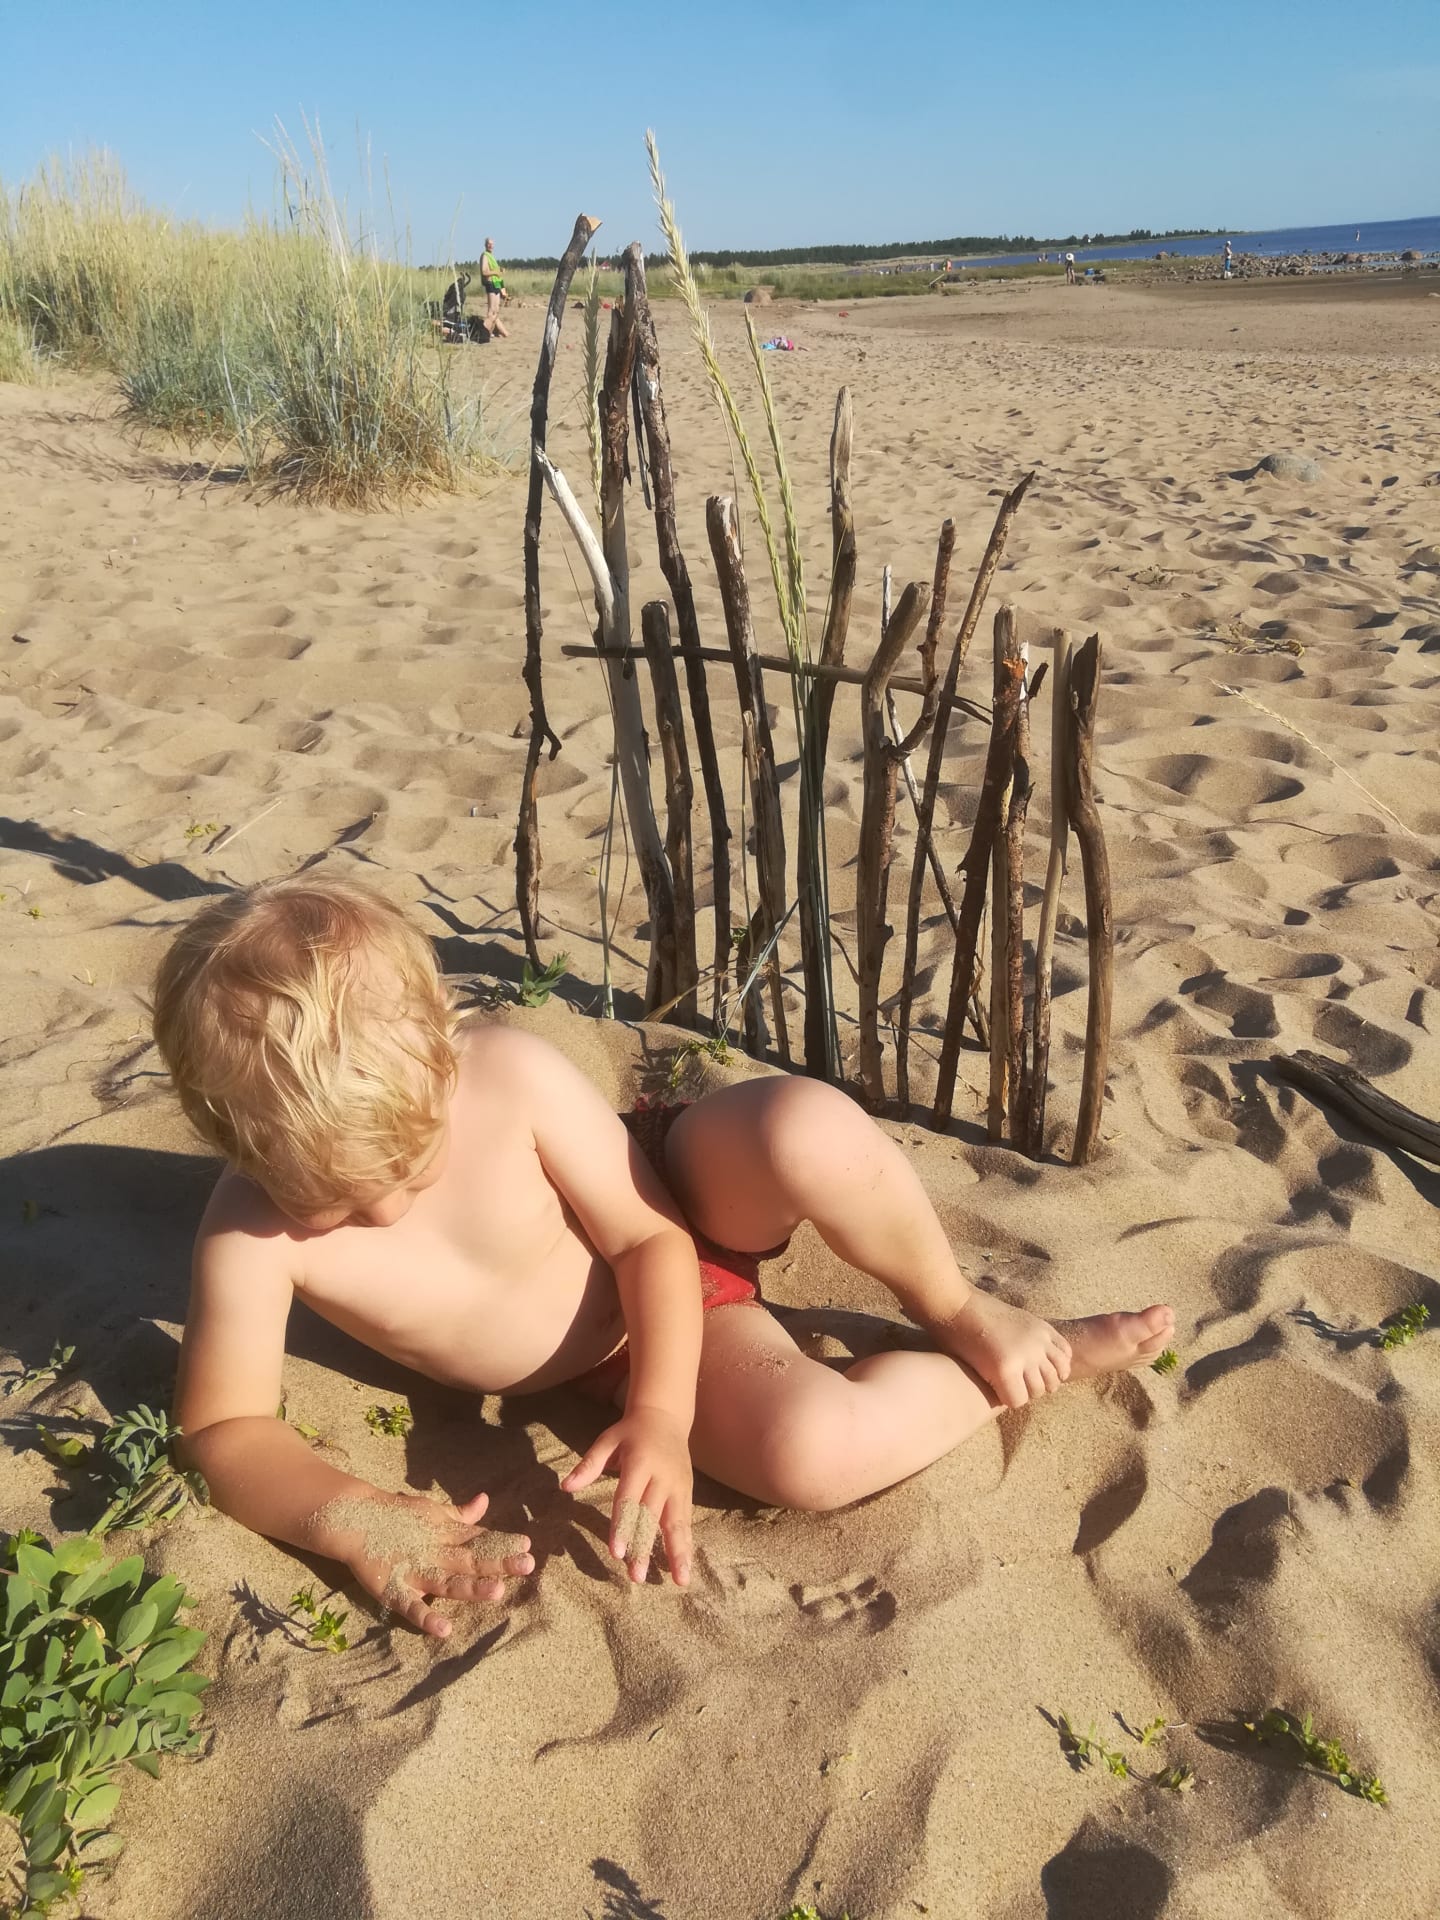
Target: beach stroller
[(456, 324)]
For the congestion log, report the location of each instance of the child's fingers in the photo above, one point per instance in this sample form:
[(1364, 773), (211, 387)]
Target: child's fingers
[(676, 1528), (413, 1606), (593, 1462)]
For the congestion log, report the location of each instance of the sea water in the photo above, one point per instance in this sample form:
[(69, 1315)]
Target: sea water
[(1376, 236)]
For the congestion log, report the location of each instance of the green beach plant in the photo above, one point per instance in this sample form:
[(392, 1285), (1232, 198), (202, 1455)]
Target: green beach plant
[(536, 988), (1316, 1754), (134, 1461), (1088, 1750), (1403, 1327), (97, 1677), (1165, 1362), (61, 1356), (324, 1624), (394, 1421)]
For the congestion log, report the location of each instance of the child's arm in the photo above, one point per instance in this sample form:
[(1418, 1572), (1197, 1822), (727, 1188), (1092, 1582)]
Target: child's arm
[(263, 1474), (636, 1228)]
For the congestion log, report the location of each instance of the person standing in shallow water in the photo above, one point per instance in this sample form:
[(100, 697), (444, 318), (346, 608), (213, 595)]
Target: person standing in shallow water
[(493, 281)]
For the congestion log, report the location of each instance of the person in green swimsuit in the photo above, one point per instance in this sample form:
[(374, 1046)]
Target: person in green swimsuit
[(493, 281)]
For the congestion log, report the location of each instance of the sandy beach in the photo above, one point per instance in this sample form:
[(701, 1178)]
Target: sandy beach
[(201, 687)]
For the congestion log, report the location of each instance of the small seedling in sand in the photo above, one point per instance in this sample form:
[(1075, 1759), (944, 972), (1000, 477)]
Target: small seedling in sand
[(1176, 1779), (324, 1624), (1165, 1362), (809, 1913), (60, 1358), (717, 1048), (132, 1466), (536, 988), (35, 913), (98, 1676), (1088, 1751), (1317, 1755), (1153, 1730), (395, 1421), (1401, 1328), (201, 829)]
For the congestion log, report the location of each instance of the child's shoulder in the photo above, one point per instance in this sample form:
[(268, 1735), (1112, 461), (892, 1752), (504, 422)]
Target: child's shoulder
[(507, 1058), (241, 1211)]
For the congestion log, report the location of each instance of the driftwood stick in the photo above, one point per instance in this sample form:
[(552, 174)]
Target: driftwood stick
[(1343, 1088), (1012, 902), (679, 799), (1050, 903), (759, 750), (527, 830), (816, 671), (999, 975), (1084, 690), (632, 746), (677, 578), (902, 748), (1009, 670), (877, 833), (946, 702)]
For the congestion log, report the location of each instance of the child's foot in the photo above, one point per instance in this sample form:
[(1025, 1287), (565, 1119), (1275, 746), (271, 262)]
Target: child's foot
[(1113, 1342)]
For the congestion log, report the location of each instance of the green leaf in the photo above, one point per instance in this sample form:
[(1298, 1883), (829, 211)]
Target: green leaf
[(97, 1808), (20, 1594), (44, 1803), (80, 1586), (137, 1623), (54, 1659), (168, 1656), (40, 1887), (89, 1650), (100, 1846), (147, 1763), (44, 1846), (74, 1556), (37, 1565), (167, 1596), (177, 1705), (189, 1682), (17, 1788), (15, 1689), (117, 1690), (125, 1573)]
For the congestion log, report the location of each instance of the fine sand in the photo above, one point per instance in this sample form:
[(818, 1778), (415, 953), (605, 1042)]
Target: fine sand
[(853, 1710)]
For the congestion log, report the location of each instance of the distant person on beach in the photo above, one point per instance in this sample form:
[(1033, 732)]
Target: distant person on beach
[(492, 279), (456, 323), (460, 1198), (1229, 259), (1070, 270)]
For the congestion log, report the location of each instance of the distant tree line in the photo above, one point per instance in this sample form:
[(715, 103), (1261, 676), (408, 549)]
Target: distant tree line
[(852, 255)]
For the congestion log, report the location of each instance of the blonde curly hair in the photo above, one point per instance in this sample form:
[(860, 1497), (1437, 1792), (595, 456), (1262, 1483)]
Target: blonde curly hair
[(310, 1038)]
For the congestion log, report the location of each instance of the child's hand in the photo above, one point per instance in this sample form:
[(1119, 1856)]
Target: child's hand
[(1019, 1356), (656, 1477), (410, 1548)]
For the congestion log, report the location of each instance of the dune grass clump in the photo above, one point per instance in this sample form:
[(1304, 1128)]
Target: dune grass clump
[(97, 1678), (299, 340), (1316, 1754)]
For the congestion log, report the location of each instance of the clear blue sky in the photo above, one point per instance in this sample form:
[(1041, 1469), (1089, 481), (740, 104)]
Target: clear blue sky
[(779, 124)]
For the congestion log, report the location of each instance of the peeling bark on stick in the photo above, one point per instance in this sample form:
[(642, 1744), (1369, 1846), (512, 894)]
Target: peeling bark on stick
[(877, 833), (1050, 904), (999, 976), (677, 578), (902, 749), (1017, 1093), (1009, 674), (631, 743), (679, 798), (1084, 692), (822, 1044), (527, 832), (925, 811), (759, 750)]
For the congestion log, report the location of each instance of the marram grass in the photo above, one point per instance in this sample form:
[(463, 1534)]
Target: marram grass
[(293, 340)]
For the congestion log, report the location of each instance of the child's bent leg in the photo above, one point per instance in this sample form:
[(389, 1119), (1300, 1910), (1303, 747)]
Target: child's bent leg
[(788, 1430)]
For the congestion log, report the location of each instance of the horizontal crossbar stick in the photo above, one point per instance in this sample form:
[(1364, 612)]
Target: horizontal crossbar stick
[(776, 663)]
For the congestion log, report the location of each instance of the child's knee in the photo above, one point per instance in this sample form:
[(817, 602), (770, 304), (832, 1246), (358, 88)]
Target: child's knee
[(807, 1129), (809, 1461)]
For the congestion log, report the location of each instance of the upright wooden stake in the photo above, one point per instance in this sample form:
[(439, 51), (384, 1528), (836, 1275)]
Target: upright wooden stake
[(631, 744), (759, 750), (904, 746), (527, 831), (1084, 692), (877, 831), (999, 976), (1012, 903), (822, 1046), (677, 578), (1009, 676), (925, 811), (679, 796), (1050, 904)]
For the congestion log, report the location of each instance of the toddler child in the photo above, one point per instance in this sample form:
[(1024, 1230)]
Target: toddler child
[(462, 1199)]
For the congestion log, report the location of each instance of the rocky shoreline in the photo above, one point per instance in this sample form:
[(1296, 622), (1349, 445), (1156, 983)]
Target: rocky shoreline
[(1256, 266)]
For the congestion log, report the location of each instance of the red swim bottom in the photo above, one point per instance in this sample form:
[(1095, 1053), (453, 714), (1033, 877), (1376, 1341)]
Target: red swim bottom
[(727, 1278)]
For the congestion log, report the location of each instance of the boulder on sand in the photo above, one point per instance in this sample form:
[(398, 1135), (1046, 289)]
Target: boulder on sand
[(1288, 466), (759, 296)]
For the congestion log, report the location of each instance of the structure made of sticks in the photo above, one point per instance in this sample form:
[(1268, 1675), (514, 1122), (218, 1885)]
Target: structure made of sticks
[(986, 989)]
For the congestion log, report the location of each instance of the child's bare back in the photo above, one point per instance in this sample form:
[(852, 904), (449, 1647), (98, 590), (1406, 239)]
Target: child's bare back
[(470, 1206)]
